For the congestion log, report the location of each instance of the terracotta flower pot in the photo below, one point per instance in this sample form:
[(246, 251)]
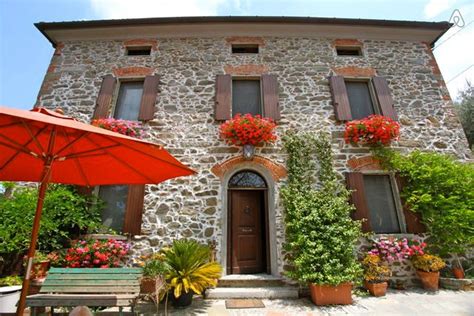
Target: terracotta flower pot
[(376, 289), (340, 294), (39, 270), (458, 273), (148, 285), (429, 280)]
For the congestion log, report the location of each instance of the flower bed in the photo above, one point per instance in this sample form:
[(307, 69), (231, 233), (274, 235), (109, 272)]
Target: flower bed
[(97, 254), (124, 127), (248, 130), (397, 249), (372, 130)]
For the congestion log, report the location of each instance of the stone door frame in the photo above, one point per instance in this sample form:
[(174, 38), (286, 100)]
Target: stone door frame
[(265, 173)]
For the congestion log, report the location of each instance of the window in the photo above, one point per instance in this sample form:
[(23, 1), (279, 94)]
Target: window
[(244, 48), (128, 101), (247, 179), (355, 98), (349, 51), (246, 97), (115, 197), (380, 199), (138, 51), (360, 99)]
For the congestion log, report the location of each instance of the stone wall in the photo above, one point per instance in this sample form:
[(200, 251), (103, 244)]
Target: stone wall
[(193, 206)]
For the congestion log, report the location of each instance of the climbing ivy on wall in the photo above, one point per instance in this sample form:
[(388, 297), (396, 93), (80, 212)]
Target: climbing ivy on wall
[(320, 235)]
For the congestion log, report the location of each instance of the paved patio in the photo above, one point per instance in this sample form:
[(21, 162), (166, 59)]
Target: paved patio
[(412, 302)]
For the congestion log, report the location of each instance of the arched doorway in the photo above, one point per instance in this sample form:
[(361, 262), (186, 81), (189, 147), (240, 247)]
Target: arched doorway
[(247, 234)]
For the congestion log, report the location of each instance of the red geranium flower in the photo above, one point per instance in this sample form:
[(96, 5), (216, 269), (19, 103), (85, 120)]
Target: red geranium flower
[(248, 130), (372, 130)]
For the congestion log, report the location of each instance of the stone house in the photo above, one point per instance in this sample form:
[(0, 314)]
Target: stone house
[(182, 77)]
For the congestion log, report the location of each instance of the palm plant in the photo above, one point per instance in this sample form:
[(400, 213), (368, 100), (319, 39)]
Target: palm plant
[(190, 268)]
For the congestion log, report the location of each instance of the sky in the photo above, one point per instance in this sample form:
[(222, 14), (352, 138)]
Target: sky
[(25, 53)]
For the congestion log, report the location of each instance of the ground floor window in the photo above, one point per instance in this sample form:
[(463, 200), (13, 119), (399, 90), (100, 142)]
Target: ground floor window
[(383, 212), (115, 198)]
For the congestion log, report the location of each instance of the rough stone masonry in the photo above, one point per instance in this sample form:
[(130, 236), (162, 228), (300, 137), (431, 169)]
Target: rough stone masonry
[(184, 123)]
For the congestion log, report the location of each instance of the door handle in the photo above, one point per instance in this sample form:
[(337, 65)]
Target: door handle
[(247, 230)]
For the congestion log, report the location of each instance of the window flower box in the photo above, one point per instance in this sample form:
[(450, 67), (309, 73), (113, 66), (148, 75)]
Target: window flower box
[(374, 130), (248, 131)]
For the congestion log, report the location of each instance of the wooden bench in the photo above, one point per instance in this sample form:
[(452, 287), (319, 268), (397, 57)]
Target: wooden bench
[(68, 287)]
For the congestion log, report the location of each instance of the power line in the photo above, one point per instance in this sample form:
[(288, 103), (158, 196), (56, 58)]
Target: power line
[(459, 74), (463, 28)]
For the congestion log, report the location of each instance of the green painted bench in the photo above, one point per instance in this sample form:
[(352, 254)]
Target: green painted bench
[(69, 287)]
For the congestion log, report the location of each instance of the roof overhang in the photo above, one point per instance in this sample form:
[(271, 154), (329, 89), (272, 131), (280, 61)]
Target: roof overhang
[(310, 27)]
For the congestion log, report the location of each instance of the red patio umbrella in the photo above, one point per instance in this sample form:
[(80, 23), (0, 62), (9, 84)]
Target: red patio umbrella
[(45, 146)]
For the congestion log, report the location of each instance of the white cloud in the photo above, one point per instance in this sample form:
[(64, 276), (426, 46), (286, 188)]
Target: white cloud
[(455, 55), (435, 7), (122, 9)]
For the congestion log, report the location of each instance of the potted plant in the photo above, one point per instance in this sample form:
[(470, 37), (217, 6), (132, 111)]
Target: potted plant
[(40, 266), (154, 270), (427, 268), (190, 271), (374, 130), (321, 236), (248, 131), (376, 275), (10, 288)]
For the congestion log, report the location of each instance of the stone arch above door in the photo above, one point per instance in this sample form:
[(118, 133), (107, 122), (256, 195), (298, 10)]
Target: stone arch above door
[(276, 170)]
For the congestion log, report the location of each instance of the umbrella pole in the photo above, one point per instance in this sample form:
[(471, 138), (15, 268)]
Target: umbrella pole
[(31, 251)]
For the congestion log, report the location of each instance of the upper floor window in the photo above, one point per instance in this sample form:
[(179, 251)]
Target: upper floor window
[(254, 96), (244, 48), (246, 97), (129, 100), (138, 51), (360, 99), (348, 51)]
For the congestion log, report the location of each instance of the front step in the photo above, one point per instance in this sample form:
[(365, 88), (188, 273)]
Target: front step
[(250, 280), (277, 292)]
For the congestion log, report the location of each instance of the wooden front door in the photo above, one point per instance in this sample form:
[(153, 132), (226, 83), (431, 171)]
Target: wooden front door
[(247, 236)]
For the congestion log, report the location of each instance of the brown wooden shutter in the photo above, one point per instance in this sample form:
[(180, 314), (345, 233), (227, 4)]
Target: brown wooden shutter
[(384, 97), (223, 97), (104, 98), (271, 107), (340, 100), (412, 219), (133, 215), (147, 105), (355, 182)]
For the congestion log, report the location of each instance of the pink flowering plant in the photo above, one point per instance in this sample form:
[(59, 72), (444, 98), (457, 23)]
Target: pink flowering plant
[(97, 253), (124, 127), (397, 249)]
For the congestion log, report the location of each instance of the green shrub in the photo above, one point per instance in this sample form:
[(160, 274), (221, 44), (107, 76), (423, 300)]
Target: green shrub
[(441, 190), (66, 214), (320, 234)]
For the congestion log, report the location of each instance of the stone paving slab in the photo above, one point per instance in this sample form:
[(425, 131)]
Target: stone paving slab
[(412, 302)]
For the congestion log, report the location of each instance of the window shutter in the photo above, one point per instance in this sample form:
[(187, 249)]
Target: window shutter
[(340, 100), (412, 219), (355, 182), (133, 215), (384, 97), (271, 107), (147, 105), (223, 97), (102, 106)]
